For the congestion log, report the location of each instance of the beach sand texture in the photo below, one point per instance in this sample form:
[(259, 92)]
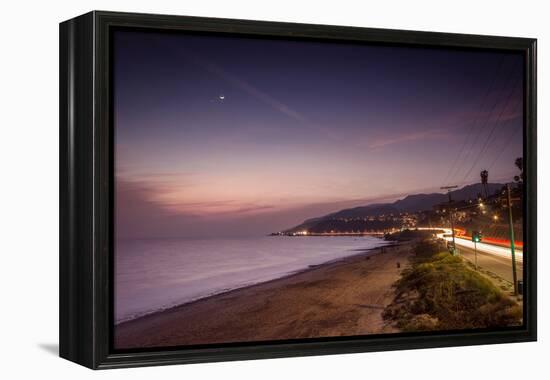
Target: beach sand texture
[(342, 298)]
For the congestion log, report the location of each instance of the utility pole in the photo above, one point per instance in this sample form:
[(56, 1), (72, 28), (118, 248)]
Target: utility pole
[(475, 252), (512, 239), (449, 188), (476, 238)]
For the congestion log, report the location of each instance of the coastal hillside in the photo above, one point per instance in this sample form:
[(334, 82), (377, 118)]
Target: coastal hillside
[(370, 214)]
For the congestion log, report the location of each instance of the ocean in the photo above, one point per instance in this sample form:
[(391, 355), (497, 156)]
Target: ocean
[(152, 275)]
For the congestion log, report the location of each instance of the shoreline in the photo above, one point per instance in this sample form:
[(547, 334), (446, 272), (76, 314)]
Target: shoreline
[(358, 251), (250, 307)]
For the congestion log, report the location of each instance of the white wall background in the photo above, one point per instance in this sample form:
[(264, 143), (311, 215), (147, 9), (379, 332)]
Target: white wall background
[(29, 191)]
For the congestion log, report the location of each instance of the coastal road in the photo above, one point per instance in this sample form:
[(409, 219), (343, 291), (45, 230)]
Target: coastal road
[(491, 258), (498, 265), (489, 249)]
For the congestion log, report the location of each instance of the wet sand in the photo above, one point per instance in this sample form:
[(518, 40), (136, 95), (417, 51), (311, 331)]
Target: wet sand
[(345, 297)]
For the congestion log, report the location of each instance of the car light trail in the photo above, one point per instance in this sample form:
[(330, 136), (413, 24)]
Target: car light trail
[(481, 247)]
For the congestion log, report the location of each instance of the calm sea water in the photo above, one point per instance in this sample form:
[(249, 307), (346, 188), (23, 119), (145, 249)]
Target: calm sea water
[(152, 275)]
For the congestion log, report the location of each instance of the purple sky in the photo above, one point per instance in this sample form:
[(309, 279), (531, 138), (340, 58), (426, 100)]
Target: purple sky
[(240, 136)]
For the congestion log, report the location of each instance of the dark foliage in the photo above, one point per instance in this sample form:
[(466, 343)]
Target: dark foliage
[(439, 292)]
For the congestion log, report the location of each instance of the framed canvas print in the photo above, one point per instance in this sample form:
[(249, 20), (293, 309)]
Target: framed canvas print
[(237, 189)]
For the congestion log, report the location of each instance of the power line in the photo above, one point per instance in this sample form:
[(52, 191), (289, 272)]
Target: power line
[(510, 139), (507, 142), (481, 129), (496, 124), (488, 117), (467, 138)]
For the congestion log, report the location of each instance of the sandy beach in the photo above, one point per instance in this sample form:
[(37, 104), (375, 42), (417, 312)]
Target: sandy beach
[(344, 297)]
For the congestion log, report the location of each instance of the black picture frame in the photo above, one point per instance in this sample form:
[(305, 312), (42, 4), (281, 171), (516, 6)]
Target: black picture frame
[(86, 191)]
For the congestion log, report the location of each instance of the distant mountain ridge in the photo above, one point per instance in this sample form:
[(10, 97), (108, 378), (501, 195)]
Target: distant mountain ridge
[(411, 203)]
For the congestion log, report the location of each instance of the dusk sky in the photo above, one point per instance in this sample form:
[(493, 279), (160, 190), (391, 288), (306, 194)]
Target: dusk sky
[(227, 136)]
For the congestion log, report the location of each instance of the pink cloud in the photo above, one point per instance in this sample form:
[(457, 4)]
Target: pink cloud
[(138, 216), (408, 137)]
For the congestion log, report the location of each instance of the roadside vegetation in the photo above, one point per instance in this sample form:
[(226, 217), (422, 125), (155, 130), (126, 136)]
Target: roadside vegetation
[(410, 234), (439, 292)]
